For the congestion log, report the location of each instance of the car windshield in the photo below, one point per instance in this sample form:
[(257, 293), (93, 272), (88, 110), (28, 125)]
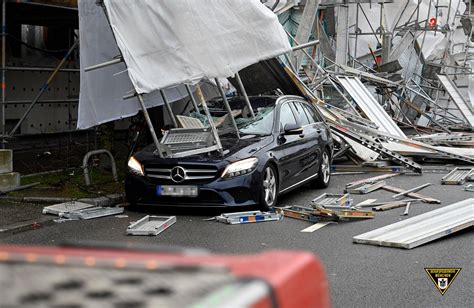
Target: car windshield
[(261, 125)]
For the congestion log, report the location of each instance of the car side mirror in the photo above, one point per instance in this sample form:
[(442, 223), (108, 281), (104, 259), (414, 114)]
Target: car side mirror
[(292, 129)]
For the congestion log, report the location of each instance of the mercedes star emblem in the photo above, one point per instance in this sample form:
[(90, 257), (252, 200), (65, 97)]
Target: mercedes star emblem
[(178, 174)]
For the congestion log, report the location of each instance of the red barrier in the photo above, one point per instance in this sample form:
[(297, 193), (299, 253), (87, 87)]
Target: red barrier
[(296, 278)]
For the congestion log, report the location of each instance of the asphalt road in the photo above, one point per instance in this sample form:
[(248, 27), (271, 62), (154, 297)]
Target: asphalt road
[(359, 275)]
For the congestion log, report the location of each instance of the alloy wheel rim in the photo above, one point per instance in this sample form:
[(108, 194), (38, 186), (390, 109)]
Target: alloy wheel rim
[(325, 168), (269, 186)]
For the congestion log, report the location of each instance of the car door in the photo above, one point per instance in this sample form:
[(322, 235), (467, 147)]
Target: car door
[(315, 131), (286, 152), (309, 144)]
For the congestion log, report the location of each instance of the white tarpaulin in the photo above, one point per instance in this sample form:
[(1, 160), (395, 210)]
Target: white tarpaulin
[(168, 42), (101, 93)]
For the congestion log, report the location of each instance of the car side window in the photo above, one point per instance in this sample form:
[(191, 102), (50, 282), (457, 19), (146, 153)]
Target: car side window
[(300, 114), (311, 113), (286, 116)]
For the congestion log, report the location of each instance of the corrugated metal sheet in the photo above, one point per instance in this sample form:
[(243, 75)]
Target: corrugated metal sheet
[(369, 105), (423, 228)]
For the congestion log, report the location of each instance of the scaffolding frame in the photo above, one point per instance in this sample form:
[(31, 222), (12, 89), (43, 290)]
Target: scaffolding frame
[(6, 135)]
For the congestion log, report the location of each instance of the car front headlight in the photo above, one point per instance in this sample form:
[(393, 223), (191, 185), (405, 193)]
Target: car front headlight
[(134, 166), (240, 167)]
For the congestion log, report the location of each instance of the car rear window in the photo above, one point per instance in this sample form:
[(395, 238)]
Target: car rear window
[(311, 113), (300, 114)]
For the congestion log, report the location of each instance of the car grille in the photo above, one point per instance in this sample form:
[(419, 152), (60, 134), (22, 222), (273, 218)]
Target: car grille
[(193, 173)]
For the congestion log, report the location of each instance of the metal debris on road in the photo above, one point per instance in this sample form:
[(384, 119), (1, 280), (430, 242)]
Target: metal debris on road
[(458, 176), (407, 208), (65, 207), (365, 188), (413, 195), (337, 201), (315, 213), (412, 190), (390, 205), (92, 212), (301, 213), (248, 217), (151, 225)]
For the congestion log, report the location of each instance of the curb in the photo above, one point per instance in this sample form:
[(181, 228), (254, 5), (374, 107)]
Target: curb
[(108, 200), (48, 220), (23, 226)]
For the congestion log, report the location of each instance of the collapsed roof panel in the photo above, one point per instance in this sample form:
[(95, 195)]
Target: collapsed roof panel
[(369, 105), (266, 76)]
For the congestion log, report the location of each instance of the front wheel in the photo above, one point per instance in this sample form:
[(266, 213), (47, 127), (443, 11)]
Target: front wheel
[(324, 172), (268, 188)]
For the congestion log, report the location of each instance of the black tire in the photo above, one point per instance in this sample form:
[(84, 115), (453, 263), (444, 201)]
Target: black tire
[(324, 172), (131, 202), (132, 206), (268, 188)]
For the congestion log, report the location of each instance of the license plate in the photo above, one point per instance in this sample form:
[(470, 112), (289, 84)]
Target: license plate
[(177, 190)]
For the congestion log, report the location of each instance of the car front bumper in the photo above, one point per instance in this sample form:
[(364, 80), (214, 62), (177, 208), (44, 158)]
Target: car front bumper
[(239, 191)]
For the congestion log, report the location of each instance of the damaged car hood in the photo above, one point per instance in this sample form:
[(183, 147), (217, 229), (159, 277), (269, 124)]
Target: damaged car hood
[(234, 149)]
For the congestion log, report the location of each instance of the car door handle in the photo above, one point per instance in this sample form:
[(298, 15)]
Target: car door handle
[(301, 135)]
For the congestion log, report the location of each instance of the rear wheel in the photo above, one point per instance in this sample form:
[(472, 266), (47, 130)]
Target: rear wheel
[(268, 188), (324, 172)]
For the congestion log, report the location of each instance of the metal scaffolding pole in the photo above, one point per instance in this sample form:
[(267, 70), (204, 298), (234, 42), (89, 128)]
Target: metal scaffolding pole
[(299, 46), (356, 36), (209, 117), (102, 65), (420, 54), (40, 69), (386, 38), (342, 34), (4, 61), (190, 93), (305, 28), (244, 93), (227, 106), (168, 108), (374, 33), (47, 101), (150, 125), (42, 90)]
